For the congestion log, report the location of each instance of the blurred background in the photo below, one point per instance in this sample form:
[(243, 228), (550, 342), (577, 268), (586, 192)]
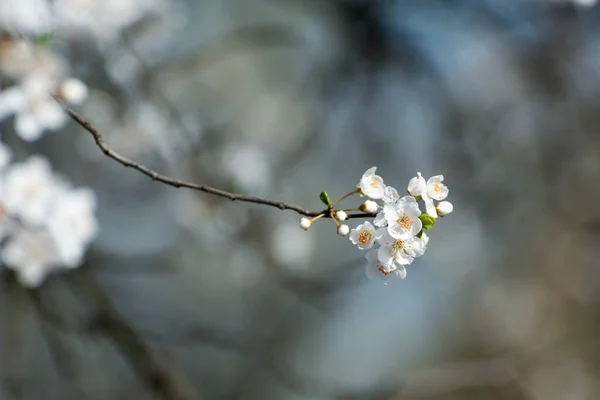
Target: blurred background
[(183, 295)]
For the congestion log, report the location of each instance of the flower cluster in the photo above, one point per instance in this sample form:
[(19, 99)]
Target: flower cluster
[(44, 222), (35, 73), (396, 235)]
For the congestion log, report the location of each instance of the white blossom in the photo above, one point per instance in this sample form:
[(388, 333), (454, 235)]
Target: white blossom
[(31, 254), (399, 251), (403, 218), (388, 272), (417, 185), (363, 236), (431, 190), (73, 90), (390, 195), (371, 185), (436, 190), (72, 224), (28, 190), (444, 208)]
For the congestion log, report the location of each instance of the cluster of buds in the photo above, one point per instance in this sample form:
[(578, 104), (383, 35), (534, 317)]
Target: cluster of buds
[(396, 235)]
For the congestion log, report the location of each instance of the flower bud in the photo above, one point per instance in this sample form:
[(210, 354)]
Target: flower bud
[(343, 230), (305, 223), (369, 206), (444, 208), (341, 215), (74, 91)]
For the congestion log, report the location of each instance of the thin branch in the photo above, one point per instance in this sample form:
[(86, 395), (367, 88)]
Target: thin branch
[(85, 124)]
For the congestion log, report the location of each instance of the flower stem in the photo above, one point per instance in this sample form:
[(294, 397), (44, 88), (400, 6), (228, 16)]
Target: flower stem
[(345, 196)]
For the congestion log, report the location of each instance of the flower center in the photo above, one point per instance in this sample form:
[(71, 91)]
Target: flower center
[(365, 237), (437, 188), (382, 269), (374, 184), (405, 222), (398, 245)]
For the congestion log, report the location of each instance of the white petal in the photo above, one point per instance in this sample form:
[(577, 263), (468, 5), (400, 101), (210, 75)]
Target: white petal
[(370, 172), (430, 208), (397, 232), (417, 226), (383, 236), (400, 273), (27, 127), (416, 185), (435, 179), (392, 211), (384, 254), (380, 220)]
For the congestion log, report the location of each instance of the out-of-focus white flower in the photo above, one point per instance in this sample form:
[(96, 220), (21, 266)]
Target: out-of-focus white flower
[(73, 91), (341, 215), (399, 251), (25, 16), (403, 218), (343, 230), (305, 223), (72, 224), (444, 208), (31, 254), (5, 157), (16, 57), (41, 111), (28, 190), (363, 236), (248, 166), (388, 272), (290, 247), (371, 185)]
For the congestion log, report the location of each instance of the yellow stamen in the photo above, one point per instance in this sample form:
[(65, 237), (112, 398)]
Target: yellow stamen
[(365, 237), (405, 222)]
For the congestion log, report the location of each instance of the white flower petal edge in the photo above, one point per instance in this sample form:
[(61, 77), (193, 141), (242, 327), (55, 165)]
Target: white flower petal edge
[(372, 185), (388, 273)]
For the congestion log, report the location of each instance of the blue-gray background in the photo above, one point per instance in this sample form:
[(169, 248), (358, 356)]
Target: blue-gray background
[(189, 296)]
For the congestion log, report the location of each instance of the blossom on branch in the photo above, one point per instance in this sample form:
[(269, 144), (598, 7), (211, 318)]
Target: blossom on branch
[(45, 224)]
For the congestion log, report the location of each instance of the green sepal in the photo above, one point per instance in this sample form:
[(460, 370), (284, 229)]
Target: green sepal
[(325, 198), (427, 220), (420, 234)]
